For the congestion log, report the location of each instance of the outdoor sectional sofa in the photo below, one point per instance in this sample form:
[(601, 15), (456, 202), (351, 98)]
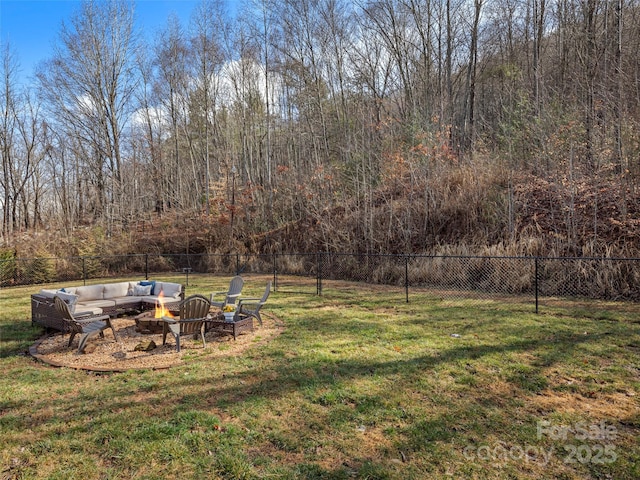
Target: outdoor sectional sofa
[(103, 299)]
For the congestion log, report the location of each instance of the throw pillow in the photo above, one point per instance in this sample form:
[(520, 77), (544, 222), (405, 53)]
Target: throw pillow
[(153, 286), (142, 290), (70, 298)]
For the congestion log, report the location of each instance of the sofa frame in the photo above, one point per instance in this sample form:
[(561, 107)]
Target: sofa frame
[(45, 314)]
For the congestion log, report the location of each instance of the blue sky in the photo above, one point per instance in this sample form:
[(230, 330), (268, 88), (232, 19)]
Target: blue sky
[(32, 26)]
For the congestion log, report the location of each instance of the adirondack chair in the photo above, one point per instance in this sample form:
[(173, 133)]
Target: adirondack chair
[(193, 313), (231, 295), (250, 307), (88, 327)]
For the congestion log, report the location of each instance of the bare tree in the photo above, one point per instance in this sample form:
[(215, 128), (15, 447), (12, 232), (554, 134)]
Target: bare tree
[(24, 167), (172, 60), (7, 130), (21, 150), (246, 106), (301, 65), (88, 86), (208, 34), (539, 21), (260, 19), (469, 110)]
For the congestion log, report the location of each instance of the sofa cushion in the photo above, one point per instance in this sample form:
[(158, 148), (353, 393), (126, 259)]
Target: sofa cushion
[(86, 311), (132, 285), (91, 304), (128, 301), (171, 289), (113, 290), (90, 292)]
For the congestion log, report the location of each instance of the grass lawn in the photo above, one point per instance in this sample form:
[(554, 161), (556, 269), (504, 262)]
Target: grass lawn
[(359, 385)]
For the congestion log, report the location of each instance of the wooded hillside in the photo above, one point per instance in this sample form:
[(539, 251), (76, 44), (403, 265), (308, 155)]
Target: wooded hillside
[(447, 126)]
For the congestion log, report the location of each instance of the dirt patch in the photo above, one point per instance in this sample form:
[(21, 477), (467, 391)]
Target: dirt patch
[(107, 355)]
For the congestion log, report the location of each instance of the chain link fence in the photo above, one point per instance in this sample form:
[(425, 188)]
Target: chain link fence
[(530, 280)]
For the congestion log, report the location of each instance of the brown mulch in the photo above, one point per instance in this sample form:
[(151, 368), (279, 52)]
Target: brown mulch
[(107, 355)]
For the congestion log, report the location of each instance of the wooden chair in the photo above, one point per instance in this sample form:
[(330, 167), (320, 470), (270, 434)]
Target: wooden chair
[(250, 307), (193, 313), (88, 327), (231, 295)]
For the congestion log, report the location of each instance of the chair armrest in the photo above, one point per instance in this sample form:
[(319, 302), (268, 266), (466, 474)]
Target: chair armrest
[(248, 300), (169, 320), (104, 320), (213, 295)]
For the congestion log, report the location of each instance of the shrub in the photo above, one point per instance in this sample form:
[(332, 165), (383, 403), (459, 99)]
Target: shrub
[(8, 267), (38, 270)]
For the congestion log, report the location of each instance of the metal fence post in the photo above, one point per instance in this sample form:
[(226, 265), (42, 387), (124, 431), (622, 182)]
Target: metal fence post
[(318, 274), (186, 271), (275, 271), (536, 282), (406, 277), (146, 266), (237, 264), (84, 270)]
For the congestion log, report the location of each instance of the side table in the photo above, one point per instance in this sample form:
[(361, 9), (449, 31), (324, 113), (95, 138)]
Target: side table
[(234, 327)]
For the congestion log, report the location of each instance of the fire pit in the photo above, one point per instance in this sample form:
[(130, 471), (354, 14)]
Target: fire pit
[(151, 321), (147, 323)]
